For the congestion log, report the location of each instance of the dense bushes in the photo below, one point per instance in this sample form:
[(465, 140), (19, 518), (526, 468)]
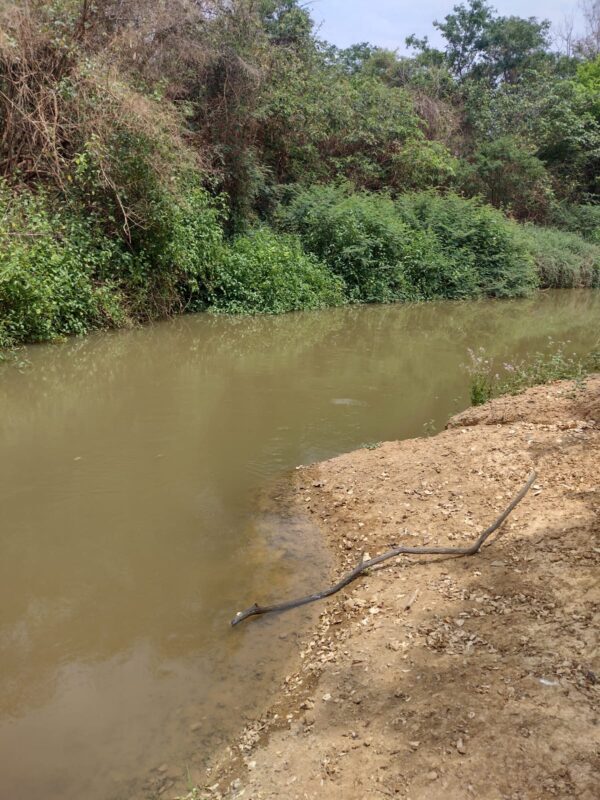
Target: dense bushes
[(420, 247), (360, 237), (130, 153), (581, 219), (269, 273), (476, 236), (61, 274), (563, 260), (48, 264)]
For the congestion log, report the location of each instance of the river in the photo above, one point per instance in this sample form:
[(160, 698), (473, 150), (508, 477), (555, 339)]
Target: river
[(139, 480)]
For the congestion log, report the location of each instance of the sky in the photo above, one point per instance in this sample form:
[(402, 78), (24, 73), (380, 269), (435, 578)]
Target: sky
[(388, 22)]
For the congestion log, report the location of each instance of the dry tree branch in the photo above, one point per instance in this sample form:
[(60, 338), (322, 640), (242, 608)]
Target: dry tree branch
[(363, 566)]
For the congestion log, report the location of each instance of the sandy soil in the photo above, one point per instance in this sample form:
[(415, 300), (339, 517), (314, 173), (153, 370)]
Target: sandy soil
[(449, 678)]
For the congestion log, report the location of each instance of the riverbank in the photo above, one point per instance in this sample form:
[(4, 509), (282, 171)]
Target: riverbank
[(451, 678)]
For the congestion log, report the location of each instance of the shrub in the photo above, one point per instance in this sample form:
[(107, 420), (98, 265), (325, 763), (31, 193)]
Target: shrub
[(563, 260), (507, 173), (359, 237), (362, 238), (47, 268), (581, 219), (61, 274), (264, 272), (176, 253), (478, 237)]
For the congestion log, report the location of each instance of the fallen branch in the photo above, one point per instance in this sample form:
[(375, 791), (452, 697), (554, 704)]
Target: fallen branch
[(363, 566)]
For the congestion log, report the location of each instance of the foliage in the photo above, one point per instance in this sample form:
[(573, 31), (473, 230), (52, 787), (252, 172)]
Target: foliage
[(491, 47), (421, 247), (552, 120), (508, 175), (359, 236), (61, 274), (489, 248), (47, 267), (268, 273), (588, 78), (131, 152), (563, 260), (489, 380), (581, 219)]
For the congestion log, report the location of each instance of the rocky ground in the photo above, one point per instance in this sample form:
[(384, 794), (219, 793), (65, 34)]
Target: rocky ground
[(442, 677)]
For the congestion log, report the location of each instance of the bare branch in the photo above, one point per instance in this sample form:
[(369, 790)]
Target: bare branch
[(363, 566)]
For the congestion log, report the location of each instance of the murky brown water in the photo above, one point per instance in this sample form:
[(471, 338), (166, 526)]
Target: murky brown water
[(130, 531)]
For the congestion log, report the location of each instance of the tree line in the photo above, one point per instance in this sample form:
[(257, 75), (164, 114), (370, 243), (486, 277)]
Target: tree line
[(162, 156)]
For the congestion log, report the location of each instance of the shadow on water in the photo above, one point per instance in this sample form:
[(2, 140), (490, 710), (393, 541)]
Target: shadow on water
[(134, 488)]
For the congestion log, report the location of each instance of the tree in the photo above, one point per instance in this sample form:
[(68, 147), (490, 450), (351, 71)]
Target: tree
[(465, 33), (497, 48), (512, 45), (589, 44)]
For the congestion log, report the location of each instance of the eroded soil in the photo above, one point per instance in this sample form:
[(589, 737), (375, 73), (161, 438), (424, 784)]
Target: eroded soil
[(441, 677)]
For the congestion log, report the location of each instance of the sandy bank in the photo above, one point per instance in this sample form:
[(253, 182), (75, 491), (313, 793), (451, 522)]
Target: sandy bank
[(489, 685)]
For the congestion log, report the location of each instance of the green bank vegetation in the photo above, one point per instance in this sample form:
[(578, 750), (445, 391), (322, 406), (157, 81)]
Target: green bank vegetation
[(489, 380), (157, 158)]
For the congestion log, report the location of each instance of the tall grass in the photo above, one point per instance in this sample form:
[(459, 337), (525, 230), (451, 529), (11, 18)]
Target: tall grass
[(563, 260)]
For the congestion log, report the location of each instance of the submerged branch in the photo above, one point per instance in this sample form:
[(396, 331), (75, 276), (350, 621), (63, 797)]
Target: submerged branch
[(363, 566)]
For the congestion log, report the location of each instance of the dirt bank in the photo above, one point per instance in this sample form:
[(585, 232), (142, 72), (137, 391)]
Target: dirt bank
[(488, 685)]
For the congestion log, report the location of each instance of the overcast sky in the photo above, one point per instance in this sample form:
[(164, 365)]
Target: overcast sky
[(388, 22)]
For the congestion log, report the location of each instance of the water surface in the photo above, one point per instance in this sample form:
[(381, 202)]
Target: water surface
[(133, 478)]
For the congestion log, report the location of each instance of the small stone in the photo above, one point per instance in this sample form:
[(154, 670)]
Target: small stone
[(460, 746), (326, 697), (414, 745), (163, 768), (432, 776)]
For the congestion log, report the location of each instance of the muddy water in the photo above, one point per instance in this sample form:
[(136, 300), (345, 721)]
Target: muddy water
[(135, 475)]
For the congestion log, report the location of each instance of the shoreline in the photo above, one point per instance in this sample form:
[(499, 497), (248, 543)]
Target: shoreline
[(437, 677)]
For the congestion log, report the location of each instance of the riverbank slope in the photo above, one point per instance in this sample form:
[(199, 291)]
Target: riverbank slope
[(449, 678)]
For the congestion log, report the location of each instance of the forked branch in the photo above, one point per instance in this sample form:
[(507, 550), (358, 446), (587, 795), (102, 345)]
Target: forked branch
[(363, 566)]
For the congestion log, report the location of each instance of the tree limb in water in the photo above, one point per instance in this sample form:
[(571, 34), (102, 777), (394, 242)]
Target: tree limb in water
[(363, 566)]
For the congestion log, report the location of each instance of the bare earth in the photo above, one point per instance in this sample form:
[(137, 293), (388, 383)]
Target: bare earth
[(488, 685)]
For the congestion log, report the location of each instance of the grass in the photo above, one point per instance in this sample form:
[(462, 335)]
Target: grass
[(488, 382)]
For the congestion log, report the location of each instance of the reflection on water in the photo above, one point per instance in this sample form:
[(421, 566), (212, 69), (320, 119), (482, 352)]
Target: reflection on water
[(131, 468)]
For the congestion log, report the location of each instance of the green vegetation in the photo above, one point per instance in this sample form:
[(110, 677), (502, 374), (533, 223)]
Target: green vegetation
[(220, 155), (555, 364), (562, 259), (267, 272), (421, 247), (485, 248)]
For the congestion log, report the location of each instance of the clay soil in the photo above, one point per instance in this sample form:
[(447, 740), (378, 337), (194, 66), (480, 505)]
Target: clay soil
[(449, 678)]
